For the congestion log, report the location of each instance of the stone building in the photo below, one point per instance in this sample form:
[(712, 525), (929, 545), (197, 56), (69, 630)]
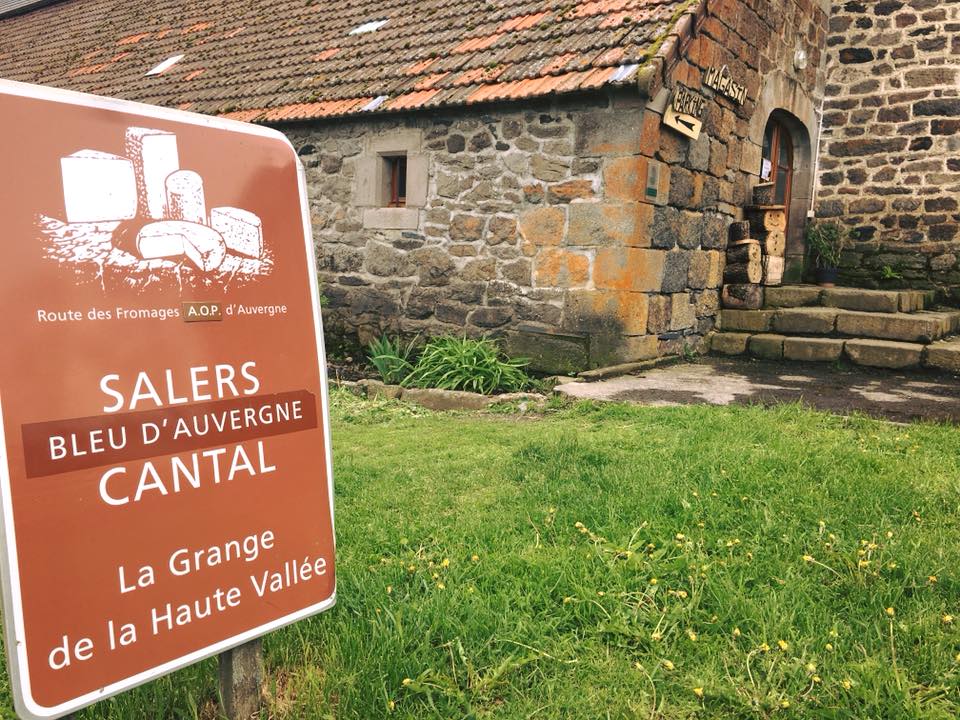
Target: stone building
[(890, 167), (561, 175)]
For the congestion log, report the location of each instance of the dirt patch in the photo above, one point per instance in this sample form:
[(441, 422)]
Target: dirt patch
[(893, 395)]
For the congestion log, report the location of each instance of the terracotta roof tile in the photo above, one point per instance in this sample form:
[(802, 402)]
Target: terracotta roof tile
[(282, 60)]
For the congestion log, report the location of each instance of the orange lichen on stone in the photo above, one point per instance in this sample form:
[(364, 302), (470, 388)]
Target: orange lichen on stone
[(560, 268), (625, 178), (627, 268), (543, 226)]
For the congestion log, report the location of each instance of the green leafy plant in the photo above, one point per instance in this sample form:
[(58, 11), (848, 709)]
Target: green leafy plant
[(826, 242), (452, 363), (391, 358), (889, 273)]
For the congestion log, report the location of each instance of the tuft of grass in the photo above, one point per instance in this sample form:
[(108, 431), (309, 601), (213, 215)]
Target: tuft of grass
[(607, 561), (391, 358), (452, 363)]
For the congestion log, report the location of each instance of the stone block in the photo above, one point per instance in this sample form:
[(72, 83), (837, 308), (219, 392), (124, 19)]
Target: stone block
[(625, 224), (812, 320), (756, 321), (911, 327), (683, 313), (864, 300), (605, 133), (543, 226), (742, 296), (883, 353), (812, 349), (560, 268), (769, 347), (619, 312), (625, 178), (793, 296), (944, 356), (636, 269), (570, 190), (376, 388), (729, 343), (658, 314), (434, 399), (608, 350), (549, 351)]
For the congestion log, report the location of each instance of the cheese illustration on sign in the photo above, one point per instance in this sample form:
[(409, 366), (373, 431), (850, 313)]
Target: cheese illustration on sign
[(141, 220)]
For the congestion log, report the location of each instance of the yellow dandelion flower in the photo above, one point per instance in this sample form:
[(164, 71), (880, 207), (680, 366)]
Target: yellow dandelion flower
[(692, 635), (833, 633), (891, 566), (947, 619), (808, 558), (411, 568), (816, 679), (475, 558), (389, 589), (932, 579), (696, 494), (736, 632), (680, 536), (600, 593), (445, 563), (407, 681), (698, 691), (829, 647), (441, 586), (890, 612), (471, 589), (436, 577), (845, 684), (701, 525), (784, 704), (783, 645), (567, 600), (862, 563), (957, 658), (668, 665), (638, 666), (682, 594), (714, 494), (391, 706), (811, 667), (378, 610), (653, 581), (578, 524), (656, 636), (764, 647)]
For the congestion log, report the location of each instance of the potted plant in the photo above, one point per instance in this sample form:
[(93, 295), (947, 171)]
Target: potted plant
[(825, 243)]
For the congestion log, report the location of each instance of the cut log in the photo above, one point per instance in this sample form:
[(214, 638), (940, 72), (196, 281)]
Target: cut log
[(743, 253), (762, 221), (764, 194), (739, 230), (774, 243), (742, 297), (740, 273), (772, 270)]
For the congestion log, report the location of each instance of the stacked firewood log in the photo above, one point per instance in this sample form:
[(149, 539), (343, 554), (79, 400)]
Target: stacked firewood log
[(755, 252)]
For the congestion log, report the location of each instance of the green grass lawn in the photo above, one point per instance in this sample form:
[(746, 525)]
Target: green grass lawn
[(617, 562)]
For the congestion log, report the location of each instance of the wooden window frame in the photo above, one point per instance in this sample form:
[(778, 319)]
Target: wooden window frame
[(396, 176)]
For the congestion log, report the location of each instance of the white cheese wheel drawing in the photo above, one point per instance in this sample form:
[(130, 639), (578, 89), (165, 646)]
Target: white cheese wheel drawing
[(202, 244), (98, 187), (185, 197), (241, 230), (154, 156)]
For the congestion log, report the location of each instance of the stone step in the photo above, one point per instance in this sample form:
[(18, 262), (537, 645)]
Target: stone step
[(869, 352), (919, 327), (883, 301)]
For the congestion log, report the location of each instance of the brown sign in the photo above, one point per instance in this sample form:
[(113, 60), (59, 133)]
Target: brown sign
[(165, 479)]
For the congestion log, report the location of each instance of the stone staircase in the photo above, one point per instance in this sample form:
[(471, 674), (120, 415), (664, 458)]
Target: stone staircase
[(877, 328)]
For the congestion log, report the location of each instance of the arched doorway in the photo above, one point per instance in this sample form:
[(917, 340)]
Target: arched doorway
[(787, 162), (778, 162)]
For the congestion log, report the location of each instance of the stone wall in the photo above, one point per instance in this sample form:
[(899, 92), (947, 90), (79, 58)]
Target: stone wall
[(581, 231), (890, 162), (529, 216)]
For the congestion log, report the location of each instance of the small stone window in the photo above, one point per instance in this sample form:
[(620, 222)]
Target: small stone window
[(395, 175), (392, 178)]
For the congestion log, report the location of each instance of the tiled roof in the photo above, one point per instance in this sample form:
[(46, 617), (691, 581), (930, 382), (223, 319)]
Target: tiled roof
[(275, 60)]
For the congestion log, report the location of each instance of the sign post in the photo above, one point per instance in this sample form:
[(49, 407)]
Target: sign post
[(165, 478)]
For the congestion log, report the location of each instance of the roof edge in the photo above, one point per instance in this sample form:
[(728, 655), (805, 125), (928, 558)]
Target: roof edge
[(653, 74)]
